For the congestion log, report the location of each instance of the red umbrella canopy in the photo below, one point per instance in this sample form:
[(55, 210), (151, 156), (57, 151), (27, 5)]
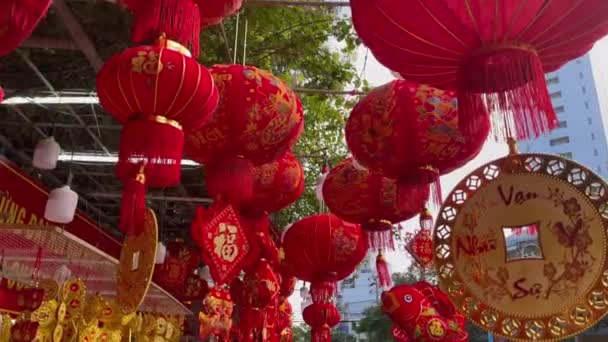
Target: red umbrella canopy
[(323, 244), (18, 19), (403, 130), (372, 200), (494, 52)]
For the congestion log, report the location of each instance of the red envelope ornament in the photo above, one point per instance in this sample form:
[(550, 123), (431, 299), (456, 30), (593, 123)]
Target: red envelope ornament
[(225, 245), (420, 247)]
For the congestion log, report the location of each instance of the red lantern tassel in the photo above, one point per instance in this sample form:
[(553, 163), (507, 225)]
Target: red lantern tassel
[(322, 291), (231, 179), (179, 20), (379, 234), (133, 204), (428, 174), (156, 141), (384, 275), (509, 82), (320, 334)]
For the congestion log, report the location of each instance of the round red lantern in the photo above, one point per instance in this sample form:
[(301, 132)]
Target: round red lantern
[(494, 52), (320, 245), (409, 131), (257, 120), (321, 318), (372, 200), (156, 92), (18, 19), (276, 185), (213, 12)]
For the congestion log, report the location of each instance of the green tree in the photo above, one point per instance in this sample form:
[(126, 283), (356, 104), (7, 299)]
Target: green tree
[(301, 333)]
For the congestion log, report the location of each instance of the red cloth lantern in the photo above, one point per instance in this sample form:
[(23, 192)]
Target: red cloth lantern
[(1, 94), (156, 92), (276, 185), (494, 52), (180, 262), (213, 12), (372, 200), (18, 19), (257, 120), (409, 131), (321, 318), (319, 245)]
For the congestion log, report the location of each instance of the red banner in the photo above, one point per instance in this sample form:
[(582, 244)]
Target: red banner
[(23, 201)]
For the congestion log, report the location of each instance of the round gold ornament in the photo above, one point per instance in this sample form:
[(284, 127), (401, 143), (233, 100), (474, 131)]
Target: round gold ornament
[(520, 247), (137, 259)]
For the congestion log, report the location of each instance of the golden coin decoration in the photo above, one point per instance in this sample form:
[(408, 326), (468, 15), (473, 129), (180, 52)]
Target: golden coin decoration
[(520, 247), (137, 259)]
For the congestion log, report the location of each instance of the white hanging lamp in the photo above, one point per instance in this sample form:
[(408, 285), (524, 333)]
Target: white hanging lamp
[(62, 203), (46, 154), (161, 253)]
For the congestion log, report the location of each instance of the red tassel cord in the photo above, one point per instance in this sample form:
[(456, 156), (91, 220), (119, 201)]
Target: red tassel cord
[(509, 82), (379, 234), (159, 143), (133, 204), (322, 291), (384, 275), (320, 334), (231, 179), (179, 20)]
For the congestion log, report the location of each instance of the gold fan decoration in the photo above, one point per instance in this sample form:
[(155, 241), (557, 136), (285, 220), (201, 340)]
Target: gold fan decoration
[(520, 246), (137, 259), (58, 318)]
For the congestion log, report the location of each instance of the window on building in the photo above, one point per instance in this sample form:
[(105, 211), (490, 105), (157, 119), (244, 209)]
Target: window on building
[(580, 75), (566, 155), (552, 80), (578, 61), (586, 105), (584, 89), (595, 153), (589, 121), (563, 124), (592, 136), (559, 109), (559, 141), (556, 95)]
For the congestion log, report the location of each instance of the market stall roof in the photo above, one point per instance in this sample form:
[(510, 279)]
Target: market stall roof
[(20, 244)]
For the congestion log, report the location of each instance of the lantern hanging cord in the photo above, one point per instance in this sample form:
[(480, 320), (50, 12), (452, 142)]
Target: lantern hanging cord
[(236, 37), (245, 41)]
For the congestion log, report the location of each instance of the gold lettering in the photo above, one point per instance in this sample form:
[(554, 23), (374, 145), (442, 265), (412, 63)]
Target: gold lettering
[(21, 216), (33, 220), (12, 213)]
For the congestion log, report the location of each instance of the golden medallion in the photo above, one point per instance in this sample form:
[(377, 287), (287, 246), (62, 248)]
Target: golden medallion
[(137, 259), (520, 247)]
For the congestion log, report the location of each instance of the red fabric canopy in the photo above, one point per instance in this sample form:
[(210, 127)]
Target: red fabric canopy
[(493, 52)]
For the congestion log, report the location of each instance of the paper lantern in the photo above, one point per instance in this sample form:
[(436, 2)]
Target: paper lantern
[(18, 20), (46, 154), (494, 52), (156, 92), (61, 205), (320, 245), (410, 132), (372, 200), (257, 120), (276, 185)]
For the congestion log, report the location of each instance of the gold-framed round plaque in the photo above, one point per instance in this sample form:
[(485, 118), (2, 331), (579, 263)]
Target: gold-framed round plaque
[(520, 247), (137, 259)]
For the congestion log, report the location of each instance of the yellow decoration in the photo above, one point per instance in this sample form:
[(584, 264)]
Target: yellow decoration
[(137, 260), (521, 247)]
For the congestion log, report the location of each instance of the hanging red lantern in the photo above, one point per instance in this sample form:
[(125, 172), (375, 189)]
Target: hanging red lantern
[(410, 132), (321, 318), (156, 92), (18, 19), (276, 185), (495, 53), (180, 262), (320, 245), (213, 12), (372, 200), (257, 120), (1, 94)]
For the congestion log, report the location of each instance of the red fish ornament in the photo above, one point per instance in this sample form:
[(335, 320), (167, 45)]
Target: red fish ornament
[(423, 313)]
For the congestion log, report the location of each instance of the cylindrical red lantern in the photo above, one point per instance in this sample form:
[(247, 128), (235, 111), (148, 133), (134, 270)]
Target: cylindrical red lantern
[(372, 200), (494, 52), (156, 92), (18, 19), (409, 131), (321, 318), (257, 120)]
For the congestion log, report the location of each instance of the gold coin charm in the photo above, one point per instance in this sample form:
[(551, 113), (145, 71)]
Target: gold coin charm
[(520, 247)]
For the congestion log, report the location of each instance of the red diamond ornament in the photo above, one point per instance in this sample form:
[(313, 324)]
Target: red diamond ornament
[(420, 247)]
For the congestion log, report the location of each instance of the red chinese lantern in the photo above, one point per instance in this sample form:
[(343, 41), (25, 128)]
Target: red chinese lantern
[(213, 12), (156, 92), (372, 200), (321, 318), (1, 94), (495, 53), (410, 132), (18, 19), (180, 262), (257, 120)]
